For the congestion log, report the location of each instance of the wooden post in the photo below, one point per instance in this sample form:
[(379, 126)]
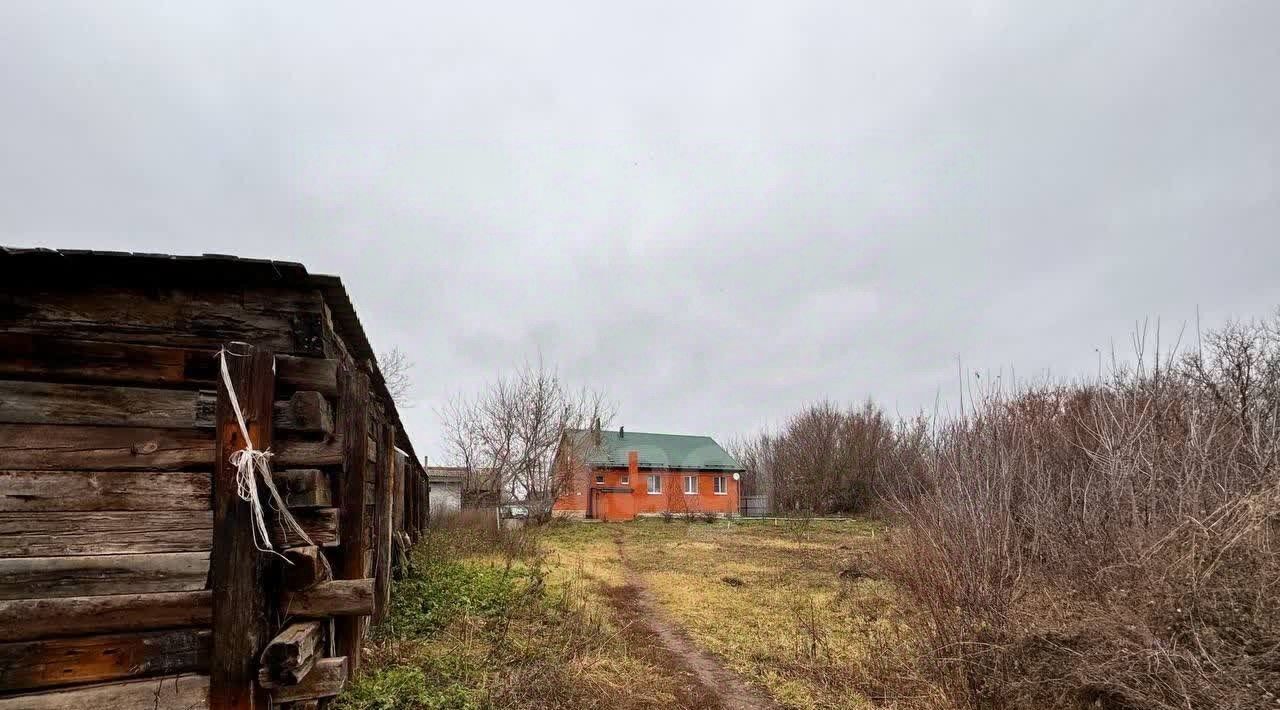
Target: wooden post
[(382, 522), (353, 426), (398, 496), (237, 571)]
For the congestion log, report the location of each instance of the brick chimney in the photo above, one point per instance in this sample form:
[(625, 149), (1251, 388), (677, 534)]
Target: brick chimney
[(633, 463)]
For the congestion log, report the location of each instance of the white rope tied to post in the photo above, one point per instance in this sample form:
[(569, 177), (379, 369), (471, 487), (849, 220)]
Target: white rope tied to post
[(248, 461)]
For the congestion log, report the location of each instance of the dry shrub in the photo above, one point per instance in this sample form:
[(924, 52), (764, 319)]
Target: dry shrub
[(1105, 545)]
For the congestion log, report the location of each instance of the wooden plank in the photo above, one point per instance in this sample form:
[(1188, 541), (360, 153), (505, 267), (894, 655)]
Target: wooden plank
[(37, 447), (93, 659), (320, 524), (104, 532), (51, 358), (52, 491), (340, 597), (35, 577), (181, 692), (326, 679), (353, 427), (239, 571), (282, 320), (26, 619), (386, 473), (306, 567), (289, 657), (304, 487)]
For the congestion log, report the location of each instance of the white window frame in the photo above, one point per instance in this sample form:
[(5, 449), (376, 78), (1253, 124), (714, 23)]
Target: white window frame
[(694, 481), (626, 479), (722, 485), (599, 478), (655, 485)]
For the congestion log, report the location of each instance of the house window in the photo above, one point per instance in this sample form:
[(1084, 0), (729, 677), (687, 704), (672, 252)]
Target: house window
[(655, 485), (626, 479), (722, 485), (690, 485), (599, 479)]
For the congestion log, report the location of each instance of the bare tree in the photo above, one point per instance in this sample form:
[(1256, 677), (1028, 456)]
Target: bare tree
[(826, 459), (514, 428), (395, 367)]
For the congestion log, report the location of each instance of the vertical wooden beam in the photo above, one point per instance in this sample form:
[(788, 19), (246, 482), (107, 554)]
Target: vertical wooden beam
[(237, 571), (353, 426), (398, 498), (426, 504), (382, 522)]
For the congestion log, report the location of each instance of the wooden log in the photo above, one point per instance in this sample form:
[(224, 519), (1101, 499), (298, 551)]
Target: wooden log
[(340, 597), (104, 532), (36, 577), (106, 405), (190, 317), (239, 571), (307, 373), (181, 692), (301, 453), (326, 679), (102, 448), (307, 412), (386, 472), (306, 567), (320, 524), (51, 358), (93, 659), (50, 403), (289, 657), (26, 619), (52, 491), (304, 487), (353, 427)]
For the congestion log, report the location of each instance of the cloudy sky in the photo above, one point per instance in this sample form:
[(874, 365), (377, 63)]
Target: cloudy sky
[(715, 211)]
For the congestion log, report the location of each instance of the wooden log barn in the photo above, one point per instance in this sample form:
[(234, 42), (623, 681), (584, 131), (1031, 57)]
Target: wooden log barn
[(129, 573)]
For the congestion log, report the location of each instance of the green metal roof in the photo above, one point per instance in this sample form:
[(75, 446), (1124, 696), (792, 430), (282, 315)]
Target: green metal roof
[(673, 451)]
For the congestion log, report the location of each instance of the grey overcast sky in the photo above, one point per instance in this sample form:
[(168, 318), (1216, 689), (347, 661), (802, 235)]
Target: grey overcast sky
[(715, 211)]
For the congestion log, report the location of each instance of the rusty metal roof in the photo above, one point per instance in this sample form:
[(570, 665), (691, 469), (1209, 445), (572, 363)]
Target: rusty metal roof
[(31, 265)]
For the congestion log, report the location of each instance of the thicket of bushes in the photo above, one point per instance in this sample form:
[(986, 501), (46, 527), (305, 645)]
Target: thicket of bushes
[(1110, 544)]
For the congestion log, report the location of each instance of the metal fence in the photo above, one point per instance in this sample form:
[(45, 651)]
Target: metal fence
[(753, 506)]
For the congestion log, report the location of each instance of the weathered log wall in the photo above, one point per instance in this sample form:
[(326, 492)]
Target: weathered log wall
[(115, 495)]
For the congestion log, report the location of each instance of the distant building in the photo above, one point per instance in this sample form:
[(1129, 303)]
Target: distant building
[(456, 488), (446, 489), (618, 475)]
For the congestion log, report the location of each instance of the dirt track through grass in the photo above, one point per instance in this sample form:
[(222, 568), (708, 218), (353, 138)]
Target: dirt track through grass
[(717, 686)]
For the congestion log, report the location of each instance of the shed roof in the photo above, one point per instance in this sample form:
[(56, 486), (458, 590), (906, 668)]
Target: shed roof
[(39, 264), (666, 451)]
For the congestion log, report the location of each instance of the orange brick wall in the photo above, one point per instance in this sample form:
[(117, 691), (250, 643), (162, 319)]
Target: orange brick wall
[(642, 502)]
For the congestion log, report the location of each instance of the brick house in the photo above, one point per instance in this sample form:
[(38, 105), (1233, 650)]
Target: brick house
[(618, 475)]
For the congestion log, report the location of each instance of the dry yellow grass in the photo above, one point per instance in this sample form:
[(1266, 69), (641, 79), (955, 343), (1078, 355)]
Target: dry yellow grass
[(767, 598)]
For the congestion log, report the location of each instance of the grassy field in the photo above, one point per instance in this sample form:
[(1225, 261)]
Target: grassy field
[(541, 619), (789, 606)]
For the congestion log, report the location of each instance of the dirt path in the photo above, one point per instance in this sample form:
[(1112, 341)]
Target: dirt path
[(712, 685)]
